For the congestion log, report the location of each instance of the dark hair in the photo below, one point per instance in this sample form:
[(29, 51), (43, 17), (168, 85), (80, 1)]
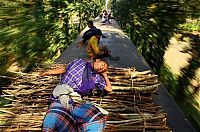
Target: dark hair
[(90, 22)]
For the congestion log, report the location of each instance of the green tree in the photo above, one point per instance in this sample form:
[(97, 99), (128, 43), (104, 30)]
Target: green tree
[(150, 25), (32, 31)]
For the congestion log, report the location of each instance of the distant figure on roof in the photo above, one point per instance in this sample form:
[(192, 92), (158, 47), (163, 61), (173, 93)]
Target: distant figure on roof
[(105, 17), (88, 34)]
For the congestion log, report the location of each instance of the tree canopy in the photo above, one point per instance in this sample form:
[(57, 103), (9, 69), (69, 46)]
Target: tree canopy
[(32, 31)]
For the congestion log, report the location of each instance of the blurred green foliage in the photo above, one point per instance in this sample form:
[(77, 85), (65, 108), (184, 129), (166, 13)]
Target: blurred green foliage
[(32, 31), (150, 24), (191, 25)]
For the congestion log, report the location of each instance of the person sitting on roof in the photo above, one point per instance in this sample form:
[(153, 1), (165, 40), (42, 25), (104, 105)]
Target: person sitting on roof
[(67, 111), (94, 50), (105, 17), (88, 34)]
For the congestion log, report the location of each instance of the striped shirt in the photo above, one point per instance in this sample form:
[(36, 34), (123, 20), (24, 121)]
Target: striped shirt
[(74, 73)]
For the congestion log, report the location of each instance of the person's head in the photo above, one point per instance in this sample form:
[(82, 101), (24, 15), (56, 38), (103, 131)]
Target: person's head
[(90, 24), (100, 66), (98, 33)]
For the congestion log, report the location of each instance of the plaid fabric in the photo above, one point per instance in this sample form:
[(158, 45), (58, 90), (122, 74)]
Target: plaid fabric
[(73, 76), (81, 117), (86, 112), (96, 126), (58, 119)]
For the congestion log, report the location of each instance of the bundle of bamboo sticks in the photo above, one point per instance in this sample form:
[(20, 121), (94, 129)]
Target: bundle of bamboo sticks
[(128, 112), (126, 79), (28, 100)]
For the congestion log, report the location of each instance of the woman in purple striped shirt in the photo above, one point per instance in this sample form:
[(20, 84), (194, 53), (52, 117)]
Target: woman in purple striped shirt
[(79, 78)]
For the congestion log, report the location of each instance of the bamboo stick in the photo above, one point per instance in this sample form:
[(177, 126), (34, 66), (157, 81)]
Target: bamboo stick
[(135, 88), (22, 129)]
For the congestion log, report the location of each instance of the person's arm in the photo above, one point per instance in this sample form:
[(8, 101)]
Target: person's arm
[(108, 86), (57, 71)]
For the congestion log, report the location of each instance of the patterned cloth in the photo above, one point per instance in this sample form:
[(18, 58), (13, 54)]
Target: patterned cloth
[(96, 126), (88, 83), (73, 76), (85, 112), (59, 119), (81, 117)]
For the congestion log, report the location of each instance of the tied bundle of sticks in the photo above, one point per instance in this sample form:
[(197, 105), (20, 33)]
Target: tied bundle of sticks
[(127, 116), (128, 79), (28, 98)]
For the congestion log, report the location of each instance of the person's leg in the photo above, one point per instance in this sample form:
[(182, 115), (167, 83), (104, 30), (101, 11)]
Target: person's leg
[(59, 119), (95, 126), (49, 123), (105, 50), (86, 112), (104, 20), (89, 117), (109, 20)]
